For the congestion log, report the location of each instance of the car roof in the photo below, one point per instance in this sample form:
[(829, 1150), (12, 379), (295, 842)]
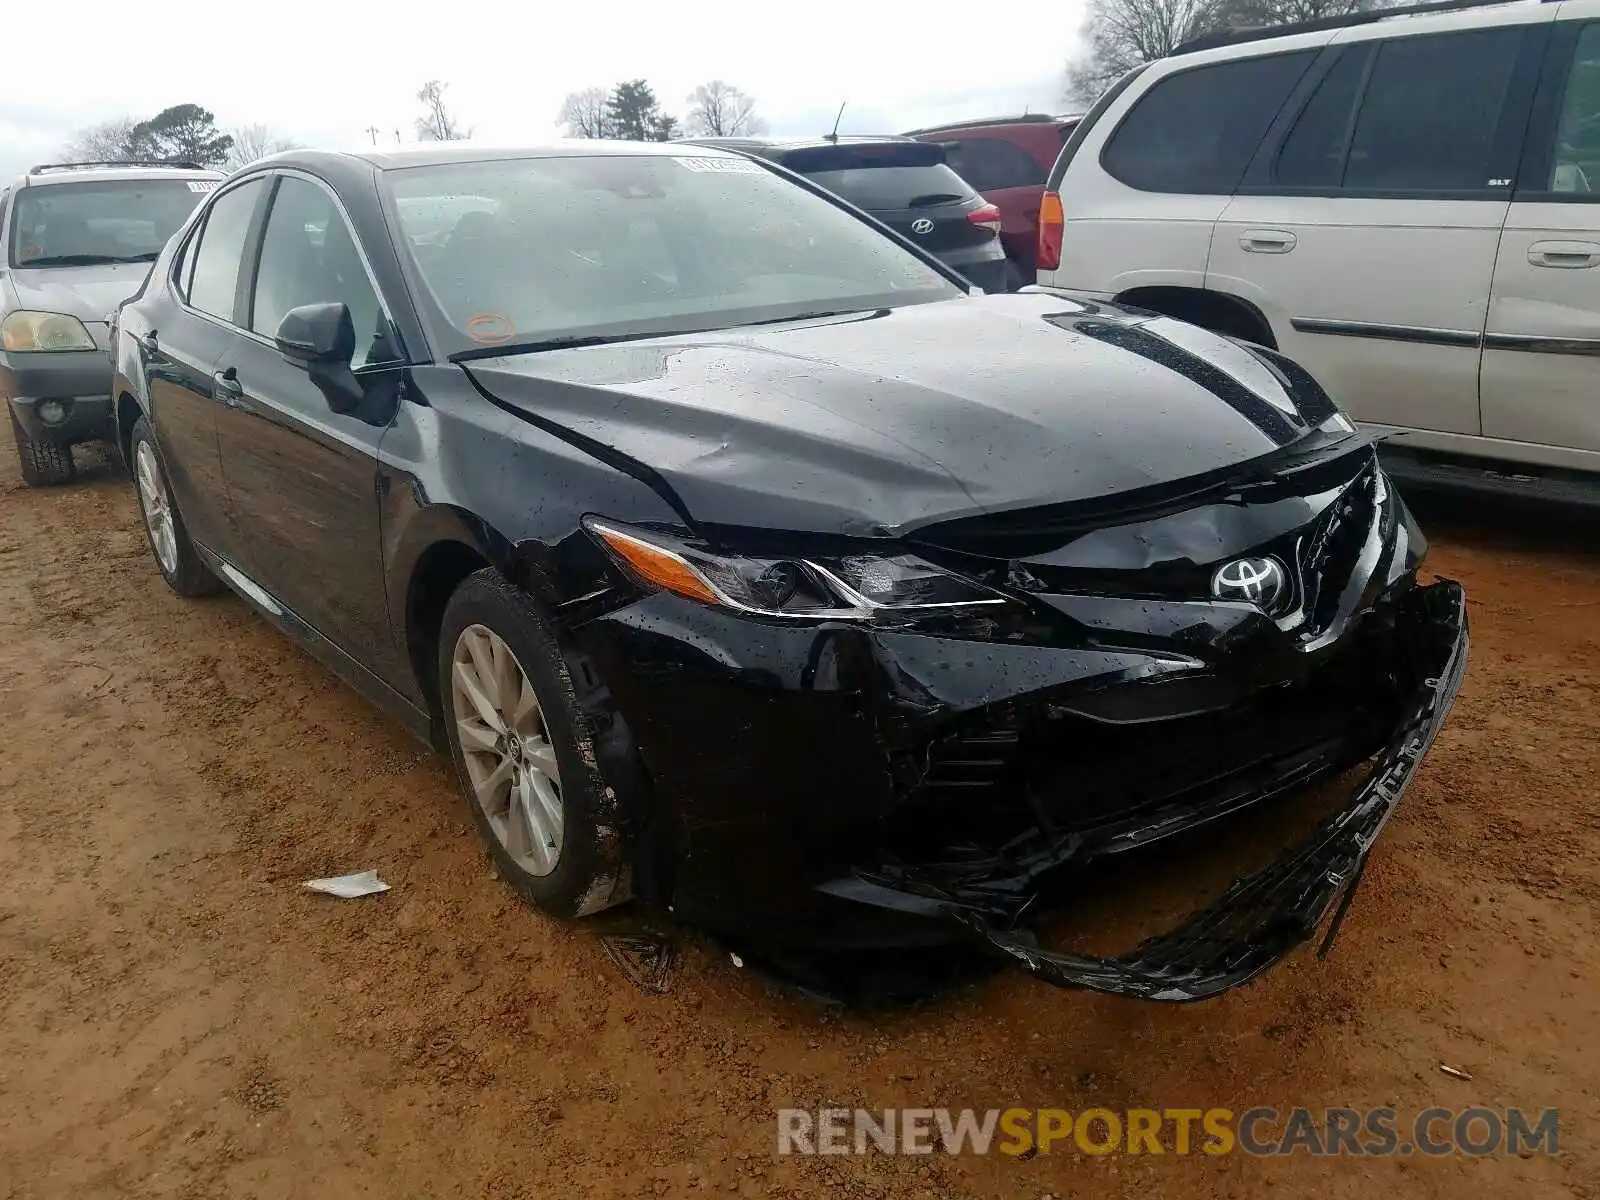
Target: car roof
[(991, 122), (46, 174), (1252, 36), (759, 145), (430, 154)]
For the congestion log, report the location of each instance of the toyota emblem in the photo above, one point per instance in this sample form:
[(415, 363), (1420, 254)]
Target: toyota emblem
[(921, 226), (1259, 581)]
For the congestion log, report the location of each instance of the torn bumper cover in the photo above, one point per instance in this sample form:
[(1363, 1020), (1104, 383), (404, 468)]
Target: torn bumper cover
[(1265, 915)]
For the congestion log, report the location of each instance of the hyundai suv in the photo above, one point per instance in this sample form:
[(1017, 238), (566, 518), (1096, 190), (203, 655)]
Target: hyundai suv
[(76, 239), (1407, 202)]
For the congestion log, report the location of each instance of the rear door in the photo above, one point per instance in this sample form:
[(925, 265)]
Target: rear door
[(1143, 181), (1366, 228), (1541, 356), (180, 359), (302, 477), (910, 188)]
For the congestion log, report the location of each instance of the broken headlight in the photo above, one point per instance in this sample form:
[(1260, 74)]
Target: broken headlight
[(849, 587)]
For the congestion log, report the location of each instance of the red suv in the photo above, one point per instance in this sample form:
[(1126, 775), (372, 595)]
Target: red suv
[(1007, 159)]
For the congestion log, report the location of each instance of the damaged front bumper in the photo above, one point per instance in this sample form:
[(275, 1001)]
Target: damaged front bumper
[(1265, 915)]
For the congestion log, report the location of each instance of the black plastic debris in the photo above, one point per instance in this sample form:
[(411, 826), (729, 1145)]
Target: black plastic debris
[(646, 960)]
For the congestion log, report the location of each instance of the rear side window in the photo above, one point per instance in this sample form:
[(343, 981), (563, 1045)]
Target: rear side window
[(214, 275), (1430, 112), (1313, 154), (988, 164), (1196, 131)]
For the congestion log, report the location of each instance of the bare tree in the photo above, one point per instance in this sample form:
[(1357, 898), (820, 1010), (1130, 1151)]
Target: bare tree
[(437, 124), (1122, 34), (251, 142), (1244, 13), (718, 109), (110, 141), (584, 114)]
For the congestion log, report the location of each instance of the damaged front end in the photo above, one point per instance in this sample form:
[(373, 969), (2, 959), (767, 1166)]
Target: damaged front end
[(928, 779)]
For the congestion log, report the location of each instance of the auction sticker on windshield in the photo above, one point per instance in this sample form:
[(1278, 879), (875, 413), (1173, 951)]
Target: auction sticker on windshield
[(735, 165), (203, 185)]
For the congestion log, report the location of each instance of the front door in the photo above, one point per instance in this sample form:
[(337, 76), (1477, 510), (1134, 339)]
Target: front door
[(1541, 355), (301, 476), (1368, 229)]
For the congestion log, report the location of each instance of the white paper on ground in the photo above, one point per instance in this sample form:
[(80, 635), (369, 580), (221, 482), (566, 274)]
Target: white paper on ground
[(349, 887)]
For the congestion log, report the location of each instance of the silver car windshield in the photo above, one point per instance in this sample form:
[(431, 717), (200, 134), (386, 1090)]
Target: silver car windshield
[(79, 224), (532, 251)]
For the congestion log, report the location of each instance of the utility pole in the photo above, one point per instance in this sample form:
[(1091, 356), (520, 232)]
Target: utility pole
[(372, 132)]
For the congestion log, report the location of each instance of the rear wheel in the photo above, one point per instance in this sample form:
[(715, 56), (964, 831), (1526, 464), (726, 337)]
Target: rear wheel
[(175, 554), (524, 752), (44, 463)]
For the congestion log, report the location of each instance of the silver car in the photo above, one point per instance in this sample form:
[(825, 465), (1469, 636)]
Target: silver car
[(76, 239)]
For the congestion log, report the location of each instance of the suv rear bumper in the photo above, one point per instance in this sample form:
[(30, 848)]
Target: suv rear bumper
[(81, 381)]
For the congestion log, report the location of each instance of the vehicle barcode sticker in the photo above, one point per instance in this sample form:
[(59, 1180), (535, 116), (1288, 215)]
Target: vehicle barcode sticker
[(737, 165), (202, 185)]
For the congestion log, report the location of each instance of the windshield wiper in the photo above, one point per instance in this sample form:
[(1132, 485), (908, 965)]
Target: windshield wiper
[(813, 316), (605, 339), (555, 343), (86, 260)]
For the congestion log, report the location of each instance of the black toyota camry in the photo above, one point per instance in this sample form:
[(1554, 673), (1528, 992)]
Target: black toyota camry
[(745, 562)]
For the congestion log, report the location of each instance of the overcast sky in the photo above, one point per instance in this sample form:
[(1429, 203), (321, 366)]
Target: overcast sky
[(324, 72)]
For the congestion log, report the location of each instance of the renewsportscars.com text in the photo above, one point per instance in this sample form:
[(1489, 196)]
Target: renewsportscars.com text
[(1259, 1131)]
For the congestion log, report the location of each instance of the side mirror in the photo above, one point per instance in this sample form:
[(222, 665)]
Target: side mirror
[(317, 333), (322, 339)]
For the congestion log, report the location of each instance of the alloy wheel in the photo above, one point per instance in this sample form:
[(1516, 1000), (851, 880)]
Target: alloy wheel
[(505, 744), (156, 504)]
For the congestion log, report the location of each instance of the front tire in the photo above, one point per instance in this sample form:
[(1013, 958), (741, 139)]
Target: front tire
[(524, 752), (174, 553), (44, 463)]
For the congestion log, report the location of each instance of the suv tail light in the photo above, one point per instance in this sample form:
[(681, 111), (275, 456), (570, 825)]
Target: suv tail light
[(1052, 223), (988, 216)]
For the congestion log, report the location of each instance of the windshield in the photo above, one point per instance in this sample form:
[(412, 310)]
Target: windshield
[(119, 220), (524, 252)]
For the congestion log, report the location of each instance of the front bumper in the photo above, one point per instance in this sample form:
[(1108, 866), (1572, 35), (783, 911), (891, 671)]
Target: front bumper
[(80, 380), (1266, 914)]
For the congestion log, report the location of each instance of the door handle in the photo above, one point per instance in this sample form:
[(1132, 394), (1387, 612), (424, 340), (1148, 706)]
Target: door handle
[(1568, 255), (1267, 241), (225, 386)]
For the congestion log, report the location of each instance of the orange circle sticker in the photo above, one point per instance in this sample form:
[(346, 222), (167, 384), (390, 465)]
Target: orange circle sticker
[(490, 328)]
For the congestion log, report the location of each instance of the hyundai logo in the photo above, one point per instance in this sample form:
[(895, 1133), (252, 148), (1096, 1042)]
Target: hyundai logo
[(1259, 581), (921, 226)]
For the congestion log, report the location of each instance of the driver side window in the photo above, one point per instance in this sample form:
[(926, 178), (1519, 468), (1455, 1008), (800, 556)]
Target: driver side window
[(309, 256)]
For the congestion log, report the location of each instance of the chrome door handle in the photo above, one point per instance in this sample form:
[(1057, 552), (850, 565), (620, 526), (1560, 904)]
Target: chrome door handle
[(1570, 256), (1267, 241)]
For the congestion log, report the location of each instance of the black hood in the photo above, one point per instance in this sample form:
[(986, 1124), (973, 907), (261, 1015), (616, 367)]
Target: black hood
[(879, 423)]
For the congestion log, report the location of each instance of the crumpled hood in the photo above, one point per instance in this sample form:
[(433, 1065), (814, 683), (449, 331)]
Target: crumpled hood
[(875, 424), (89, 293)]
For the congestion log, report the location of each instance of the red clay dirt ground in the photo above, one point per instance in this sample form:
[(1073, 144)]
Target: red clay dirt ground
[(181, 1019)]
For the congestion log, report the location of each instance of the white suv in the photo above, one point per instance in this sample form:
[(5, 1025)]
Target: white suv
[(1407, 202)]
